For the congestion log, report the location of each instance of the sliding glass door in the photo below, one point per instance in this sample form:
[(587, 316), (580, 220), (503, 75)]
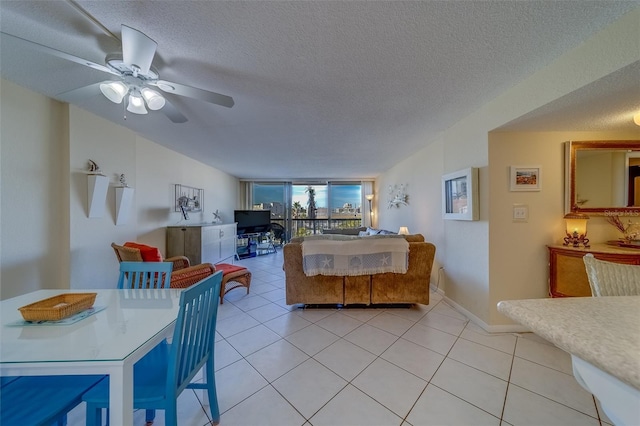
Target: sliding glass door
[(305, 208)]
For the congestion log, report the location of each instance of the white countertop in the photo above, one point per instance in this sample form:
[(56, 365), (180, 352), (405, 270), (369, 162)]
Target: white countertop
[(604, 331)]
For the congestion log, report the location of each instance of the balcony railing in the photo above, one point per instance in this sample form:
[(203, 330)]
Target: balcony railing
[(302, 227)]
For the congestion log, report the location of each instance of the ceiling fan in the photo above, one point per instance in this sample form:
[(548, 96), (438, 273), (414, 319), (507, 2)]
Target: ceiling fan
[(136, 78)]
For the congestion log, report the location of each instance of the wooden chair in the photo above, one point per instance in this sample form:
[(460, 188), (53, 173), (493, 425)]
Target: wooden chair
[(159, 381), (42, 400), (610, 278), (183, 274)]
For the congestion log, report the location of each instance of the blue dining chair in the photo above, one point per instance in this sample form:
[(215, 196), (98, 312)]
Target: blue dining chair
[(145, 274), (41, 400), (162, 375)]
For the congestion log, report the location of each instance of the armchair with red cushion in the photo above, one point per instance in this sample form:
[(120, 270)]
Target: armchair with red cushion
[(183, 275)]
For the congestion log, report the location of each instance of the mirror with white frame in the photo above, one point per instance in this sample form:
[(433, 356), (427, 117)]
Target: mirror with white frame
[(603, 177)]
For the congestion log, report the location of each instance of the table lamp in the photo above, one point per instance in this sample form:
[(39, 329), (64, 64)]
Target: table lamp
[(576, 229)]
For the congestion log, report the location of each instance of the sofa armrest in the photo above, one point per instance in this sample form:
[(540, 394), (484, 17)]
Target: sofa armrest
[(179, 262), (318, 289), (186, 277), (412, 287)]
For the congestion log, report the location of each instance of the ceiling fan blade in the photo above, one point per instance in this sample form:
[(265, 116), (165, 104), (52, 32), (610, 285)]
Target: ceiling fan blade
[(172, 113), (51, 51), (79, 94), (137, 49), (193, 92)]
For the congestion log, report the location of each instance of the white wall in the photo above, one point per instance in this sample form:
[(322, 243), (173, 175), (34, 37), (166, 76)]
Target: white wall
[(152, 171), (112, 147), (47, 238), (421, 175), (34, 237), (159, 169), (466, 249)]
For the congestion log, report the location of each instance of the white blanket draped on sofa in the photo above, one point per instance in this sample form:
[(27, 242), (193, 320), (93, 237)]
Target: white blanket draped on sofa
[(356, 256)]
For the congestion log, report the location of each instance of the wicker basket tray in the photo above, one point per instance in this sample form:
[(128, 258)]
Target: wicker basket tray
[(57, 307)]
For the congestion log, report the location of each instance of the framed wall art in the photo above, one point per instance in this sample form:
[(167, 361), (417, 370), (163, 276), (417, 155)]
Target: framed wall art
[(460, 195), (188, 197), (524, 178)]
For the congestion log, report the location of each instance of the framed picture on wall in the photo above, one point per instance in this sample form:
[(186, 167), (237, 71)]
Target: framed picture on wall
[(525, 178), (188, 198), (460, 195)]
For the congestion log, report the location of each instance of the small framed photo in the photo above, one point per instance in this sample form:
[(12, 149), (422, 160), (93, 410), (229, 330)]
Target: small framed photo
[(525, 178), (460, 195)]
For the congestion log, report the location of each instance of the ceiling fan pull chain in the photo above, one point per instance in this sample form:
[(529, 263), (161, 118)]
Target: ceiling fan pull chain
[(124, 108)]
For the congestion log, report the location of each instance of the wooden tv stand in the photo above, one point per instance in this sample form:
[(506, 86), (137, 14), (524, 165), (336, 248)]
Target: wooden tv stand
[(254, 244)]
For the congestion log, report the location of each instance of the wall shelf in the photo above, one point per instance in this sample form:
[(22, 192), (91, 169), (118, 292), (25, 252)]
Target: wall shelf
[(124, 200), (97, 186)]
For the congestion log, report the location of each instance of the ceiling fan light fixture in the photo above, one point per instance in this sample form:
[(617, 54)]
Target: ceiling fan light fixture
[(114, 90), (155, 101), (636, 118), (166, 87), (136, 104)]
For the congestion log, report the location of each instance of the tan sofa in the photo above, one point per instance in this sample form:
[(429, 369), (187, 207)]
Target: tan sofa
[(412, 287)]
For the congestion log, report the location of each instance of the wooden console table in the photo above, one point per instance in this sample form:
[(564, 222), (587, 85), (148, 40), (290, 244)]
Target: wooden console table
[(212, 243), (567, 273)]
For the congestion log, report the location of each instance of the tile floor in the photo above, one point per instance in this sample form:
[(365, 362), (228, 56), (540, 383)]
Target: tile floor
[(283, 365)]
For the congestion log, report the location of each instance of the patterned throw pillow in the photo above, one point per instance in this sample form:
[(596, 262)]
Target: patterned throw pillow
[(149, 253)]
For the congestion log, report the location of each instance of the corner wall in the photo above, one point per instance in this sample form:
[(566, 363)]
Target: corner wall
[(466, 248), (34, 236), (47, 239), (518, 257), (152, 170), (421, 175)]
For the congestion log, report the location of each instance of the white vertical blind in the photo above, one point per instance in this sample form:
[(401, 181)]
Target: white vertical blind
[(367, 188), (246, 195)]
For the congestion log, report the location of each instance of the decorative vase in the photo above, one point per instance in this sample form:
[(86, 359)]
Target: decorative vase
[(632, 232)]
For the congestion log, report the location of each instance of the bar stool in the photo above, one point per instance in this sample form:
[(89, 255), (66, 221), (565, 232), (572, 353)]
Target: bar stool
[(236, 276)]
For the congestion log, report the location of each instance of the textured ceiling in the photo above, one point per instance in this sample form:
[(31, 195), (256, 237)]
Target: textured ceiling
[(342, 89)]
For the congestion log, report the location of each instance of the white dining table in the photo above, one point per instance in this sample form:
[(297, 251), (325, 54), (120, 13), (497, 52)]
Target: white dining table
[(126, 325)]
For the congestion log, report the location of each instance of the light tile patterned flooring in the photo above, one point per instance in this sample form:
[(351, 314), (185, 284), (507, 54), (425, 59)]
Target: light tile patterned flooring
[(283, 365)]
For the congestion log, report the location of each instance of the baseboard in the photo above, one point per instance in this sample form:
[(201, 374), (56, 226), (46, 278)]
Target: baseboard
[(503, 328), (436, 290), (357, 306)]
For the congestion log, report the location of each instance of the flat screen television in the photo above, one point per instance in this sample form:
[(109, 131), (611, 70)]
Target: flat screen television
[(250, 221)]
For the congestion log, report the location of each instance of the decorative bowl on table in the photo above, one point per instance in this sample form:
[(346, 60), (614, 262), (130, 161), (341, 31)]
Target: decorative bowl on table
[(629, 243), (57, 307)]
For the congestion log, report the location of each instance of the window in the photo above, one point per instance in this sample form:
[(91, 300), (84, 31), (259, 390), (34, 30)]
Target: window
[(345, 201), (270, 196), (309, 201), (460, 195), (308, 208)]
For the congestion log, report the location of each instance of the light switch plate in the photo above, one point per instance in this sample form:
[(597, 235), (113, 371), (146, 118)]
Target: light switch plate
[(520, 213)]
